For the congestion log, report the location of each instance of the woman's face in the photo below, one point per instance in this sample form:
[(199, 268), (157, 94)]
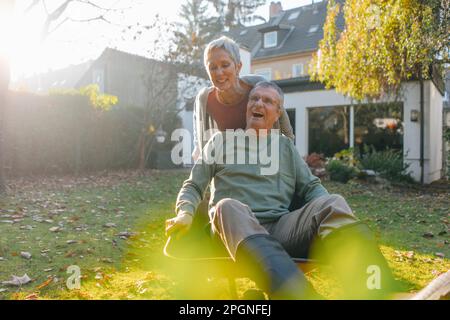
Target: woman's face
[(222, 71)]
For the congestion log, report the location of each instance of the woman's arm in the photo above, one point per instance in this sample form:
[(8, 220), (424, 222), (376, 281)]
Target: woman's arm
[(198, 118), (285, 125)]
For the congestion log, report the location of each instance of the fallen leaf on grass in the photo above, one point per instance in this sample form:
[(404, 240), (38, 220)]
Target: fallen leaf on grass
[(44, 284), (109, 225), (18, 281), (70, 254), (428, 235), (25, 255), (33, 296)]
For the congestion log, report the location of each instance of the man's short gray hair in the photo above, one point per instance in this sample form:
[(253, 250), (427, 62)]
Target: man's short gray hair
[(269, 84), (225, 43)]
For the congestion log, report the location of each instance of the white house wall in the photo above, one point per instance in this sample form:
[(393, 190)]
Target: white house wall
[(301, 101), (432, 131), (434, 156)]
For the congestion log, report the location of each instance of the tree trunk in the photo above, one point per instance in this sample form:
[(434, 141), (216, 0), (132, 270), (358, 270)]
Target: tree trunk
[(4, 83), (142, 143)]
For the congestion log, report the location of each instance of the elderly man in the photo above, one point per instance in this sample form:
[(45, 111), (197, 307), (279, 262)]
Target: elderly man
[(251, 211)]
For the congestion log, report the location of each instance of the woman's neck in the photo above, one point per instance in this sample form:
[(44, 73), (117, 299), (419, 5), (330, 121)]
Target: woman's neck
[(231, 96)]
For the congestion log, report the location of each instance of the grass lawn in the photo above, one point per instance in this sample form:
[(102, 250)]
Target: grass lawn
[(112, 226)]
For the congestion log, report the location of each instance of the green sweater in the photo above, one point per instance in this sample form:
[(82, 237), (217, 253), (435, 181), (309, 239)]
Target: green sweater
[(268, 196)]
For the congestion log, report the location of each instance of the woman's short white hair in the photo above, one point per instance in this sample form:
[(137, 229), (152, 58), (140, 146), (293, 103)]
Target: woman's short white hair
[(225, 43)]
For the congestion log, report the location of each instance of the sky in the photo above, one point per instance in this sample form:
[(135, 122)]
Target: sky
[(75, 42)]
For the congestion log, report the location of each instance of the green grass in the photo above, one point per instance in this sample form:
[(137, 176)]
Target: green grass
[(115, 267)]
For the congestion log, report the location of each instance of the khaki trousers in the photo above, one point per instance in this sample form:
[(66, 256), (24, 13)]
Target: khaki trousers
[(233, 221)]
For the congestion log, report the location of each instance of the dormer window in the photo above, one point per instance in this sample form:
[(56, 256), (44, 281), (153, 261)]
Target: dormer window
[(313, 28), (270, 39), (294, 15)]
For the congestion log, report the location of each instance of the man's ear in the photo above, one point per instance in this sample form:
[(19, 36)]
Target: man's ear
[(280, 112)]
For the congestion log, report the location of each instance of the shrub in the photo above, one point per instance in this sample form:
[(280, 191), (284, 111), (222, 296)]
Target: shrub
[(347, 156), (447, 138), (340, 171), (316, 162), (389, 164)]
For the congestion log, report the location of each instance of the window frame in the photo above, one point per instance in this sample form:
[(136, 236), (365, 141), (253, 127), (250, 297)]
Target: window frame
[(302, 70), (266, 36)]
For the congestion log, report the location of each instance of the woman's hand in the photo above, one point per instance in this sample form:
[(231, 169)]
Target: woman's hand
[(179, 225)]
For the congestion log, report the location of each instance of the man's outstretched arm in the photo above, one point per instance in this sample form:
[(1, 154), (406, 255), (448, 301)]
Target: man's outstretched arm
[(189, 197)]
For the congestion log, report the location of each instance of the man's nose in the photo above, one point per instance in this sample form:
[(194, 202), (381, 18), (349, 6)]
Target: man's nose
[(258, 102)]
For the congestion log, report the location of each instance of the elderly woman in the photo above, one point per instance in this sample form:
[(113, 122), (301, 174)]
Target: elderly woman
[(223, 105)]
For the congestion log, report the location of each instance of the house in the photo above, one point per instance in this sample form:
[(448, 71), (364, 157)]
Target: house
[(56, 79), (327, 122), (130, 77), (115, 72), (137, 81)]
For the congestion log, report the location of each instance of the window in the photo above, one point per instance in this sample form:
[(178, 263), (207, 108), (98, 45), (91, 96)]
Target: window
[(377, 125), (270, 39), (328, 130), (266, 73), (243, 32), (294, 15), (297, 70), (313, 28)]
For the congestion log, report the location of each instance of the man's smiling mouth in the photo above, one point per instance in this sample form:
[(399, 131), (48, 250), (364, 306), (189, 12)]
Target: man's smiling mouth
[(258, 115)]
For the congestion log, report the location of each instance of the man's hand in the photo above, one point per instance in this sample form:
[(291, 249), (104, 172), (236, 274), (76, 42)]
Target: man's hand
[(179, 225)]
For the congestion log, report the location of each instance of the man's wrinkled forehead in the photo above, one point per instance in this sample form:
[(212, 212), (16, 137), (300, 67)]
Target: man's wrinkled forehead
[(266, 92)]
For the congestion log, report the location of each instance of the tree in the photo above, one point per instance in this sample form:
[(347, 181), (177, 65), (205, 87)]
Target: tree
[(159, 114), (160, 79), (195, 31), (382, 44), (440, 30), (235, 13)]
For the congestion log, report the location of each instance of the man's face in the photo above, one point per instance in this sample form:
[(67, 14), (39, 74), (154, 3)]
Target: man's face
[(263, 108)]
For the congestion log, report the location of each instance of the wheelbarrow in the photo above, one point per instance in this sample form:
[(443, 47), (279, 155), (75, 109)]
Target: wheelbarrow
[(201, 251)]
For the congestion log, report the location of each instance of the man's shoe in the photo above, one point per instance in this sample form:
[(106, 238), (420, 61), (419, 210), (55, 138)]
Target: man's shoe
[(272, 269)]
